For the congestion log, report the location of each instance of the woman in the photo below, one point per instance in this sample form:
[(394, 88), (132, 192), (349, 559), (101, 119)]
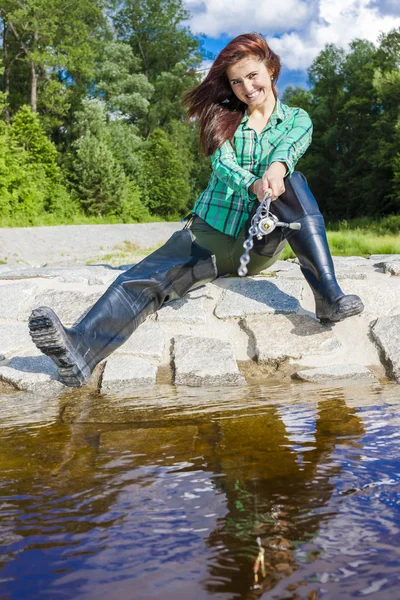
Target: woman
[(255, 142)]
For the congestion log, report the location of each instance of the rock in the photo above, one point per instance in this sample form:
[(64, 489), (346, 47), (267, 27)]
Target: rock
[(122, 374), (13, 338), (386, 334), (282, 266), (205, 361), (278, 337), (90, 275), (4, 269), (32, 373), (14, 298), (185, 310), (350, 262), (244, 297), (147, 341), (69, 306), (332, 372), (390, 266), (380, 298), (377, 258), (350, 274)]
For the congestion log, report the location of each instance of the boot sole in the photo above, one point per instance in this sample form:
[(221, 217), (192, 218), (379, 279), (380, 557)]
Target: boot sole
[(339, 315), (48, 335)]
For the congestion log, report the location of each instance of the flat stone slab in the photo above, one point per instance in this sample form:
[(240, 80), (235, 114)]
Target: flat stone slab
[(278, 337), (386, 334), (14, 297), (244, 297), (376, 258), (69, 306), (350, 262), (32, 373), (390, 266), (89, 275), (14, 337), (122, 374), (185, 310), (380, 298), (324, 374), (204, 362), (147, 342)]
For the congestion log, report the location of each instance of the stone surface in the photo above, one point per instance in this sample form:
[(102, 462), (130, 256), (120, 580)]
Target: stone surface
[(14, 298), (386, 334), (90, 275), (350, 262), (14, 337), (205, 361), (32, 374), (147, 341), (390, 266), (69, 306), (122, 374), (323, 374), (380, 298), (185, 310), (250, 296), (376, 258), (279, 337)]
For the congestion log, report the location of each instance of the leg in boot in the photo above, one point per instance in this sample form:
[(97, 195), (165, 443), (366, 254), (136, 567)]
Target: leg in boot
[(166, 274), (311, 248)]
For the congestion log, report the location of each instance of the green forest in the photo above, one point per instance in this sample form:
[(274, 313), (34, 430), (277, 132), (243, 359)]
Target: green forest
[(92, 127)]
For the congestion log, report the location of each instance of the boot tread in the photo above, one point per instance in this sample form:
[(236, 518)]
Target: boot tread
[(50, 337)]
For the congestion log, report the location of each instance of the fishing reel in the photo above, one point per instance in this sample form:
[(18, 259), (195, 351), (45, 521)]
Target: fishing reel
[(263, 223)]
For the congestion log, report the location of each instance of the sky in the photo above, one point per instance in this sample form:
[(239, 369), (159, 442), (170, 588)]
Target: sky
[(296, 29)]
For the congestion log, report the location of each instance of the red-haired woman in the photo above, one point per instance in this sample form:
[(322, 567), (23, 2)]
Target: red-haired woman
[(255, 142)]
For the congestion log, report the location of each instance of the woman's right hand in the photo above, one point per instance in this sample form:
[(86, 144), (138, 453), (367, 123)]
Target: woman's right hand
[(259, 189)]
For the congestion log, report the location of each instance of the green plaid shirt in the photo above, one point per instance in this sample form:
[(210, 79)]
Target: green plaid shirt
[(227, 203)]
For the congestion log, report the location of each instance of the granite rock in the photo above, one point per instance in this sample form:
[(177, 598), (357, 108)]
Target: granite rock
[(14, 337), (386, 334), (122, 374), (90, 275), (325, 374), (244, 297), (380, 299), (14, 299), (185, 310), (147, 341), (32, 374), (279, 337), (69, 306), (204, 362)]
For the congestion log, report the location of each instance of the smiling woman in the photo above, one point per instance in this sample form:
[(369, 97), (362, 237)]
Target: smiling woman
[(255, 142)]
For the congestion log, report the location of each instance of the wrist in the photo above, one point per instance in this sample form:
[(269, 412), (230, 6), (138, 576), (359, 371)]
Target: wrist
[(278, 169), (252, 187)]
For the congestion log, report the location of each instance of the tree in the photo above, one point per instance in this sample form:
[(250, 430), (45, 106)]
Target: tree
[(49, 40), (164, 178)]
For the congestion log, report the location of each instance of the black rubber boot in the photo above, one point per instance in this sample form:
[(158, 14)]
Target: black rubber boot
[(297, 204), (166, 274)]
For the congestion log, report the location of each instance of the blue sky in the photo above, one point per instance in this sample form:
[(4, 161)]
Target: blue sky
[(296, 29)]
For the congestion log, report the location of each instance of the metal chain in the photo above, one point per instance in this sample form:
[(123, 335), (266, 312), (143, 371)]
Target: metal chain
[(262, 211)]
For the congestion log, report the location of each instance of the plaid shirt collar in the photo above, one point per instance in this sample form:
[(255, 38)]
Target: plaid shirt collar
[(277, 116)]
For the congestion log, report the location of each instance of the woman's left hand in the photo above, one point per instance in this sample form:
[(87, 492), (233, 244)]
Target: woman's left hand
[(273, 179)]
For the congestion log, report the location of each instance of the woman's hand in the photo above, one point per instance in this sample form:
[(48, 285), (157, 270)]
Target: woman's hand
[(273, 179)]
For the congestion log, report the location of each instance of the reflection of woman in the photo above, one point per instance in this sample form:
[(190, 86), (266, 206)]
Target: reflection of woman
[(255, 142)]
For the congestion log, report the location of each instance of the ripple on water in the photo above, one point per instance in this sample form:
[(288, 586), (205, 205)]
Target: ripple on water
[(164, 495)]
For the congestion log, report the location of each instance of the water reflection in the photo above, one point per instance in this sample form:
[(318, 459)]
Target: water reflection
[(171, 502)]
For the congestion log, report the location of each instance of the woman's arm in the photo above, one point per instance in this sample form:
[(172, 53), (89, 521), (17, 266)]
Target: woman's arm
[(285, 156), (295, 143), (227, 169)]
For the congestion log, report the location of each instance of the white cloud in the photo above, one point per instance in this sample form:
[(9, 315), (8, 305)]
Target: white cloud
[(231, 17), (296, 30)]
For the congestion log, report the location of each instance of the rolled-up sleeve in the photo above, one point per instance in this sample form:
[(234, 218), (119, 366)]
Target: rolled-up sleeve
[(226, 168), (295, 143)]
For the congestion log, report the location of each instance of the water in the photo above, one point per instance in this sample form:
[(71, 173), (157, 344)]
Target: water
[(165, 495)]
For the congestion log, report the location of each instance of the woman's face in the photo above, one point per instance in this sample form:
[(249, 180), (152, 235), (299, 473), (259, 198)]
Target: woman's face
[(250, 81)]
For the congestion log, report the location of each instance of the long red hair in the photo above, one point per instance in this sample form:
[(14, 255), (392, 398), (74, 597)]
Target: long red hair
[(213, 102)]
